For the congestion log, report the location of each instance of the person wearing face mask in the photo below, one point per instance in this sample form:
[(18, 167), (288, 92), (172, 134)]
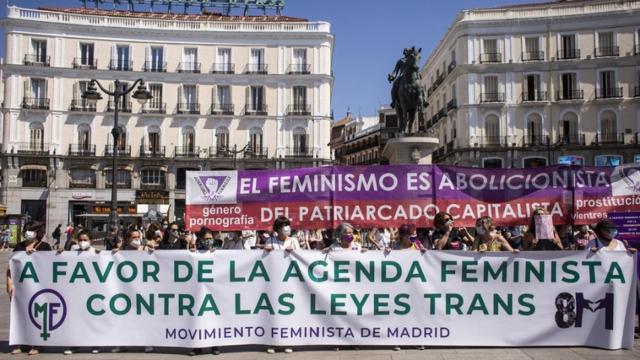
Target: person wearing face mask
[(407, 239), (447, 237), (205, 240), (235, 241), (133, 242), (345, 239), (584, 238), (488, 239), (171, 239), (282, 240), (606, 233), (530, 240)]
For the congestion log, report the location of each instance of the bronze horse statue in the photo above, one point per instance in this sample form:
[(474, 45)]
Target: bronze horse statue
[(407, 94)]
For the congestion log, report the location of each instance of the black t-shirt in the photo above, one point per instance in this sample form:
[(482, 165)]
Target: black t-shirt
[(178, 245), (41, 246), (454, 242)]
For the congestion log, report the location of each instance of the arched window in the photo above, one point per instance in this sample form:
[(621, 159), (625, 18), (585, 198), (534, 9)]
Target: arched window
[(188, 139), (123, 178), (84, 137), (83, 178), (36, 136), (255, 141), (492, 130), (534, 129), (300, 142), (569, 128), (222, 139), (608, 127)]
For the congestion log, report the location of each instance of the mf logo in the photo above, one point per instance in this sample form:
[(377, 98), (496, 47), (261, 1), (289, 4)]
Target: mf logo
[(571, 309), (47, 311)]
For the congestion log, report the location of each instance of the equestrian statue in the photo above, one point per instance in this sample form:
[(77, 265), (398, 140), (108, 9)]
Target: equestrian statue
[(407, 94)]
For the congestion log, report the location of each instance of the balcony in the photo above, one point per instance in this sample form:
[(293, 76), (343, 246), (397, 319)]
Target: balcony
[(256, 153), (533, 56), (452, 105), (536, 140), (256, 69), (299, 152), (81, 105), (259, 109), (124, 107), (490, 58), (152, 152), (189, 67), (450, 146), (120, 65), (491, 97), (35, 103), (568, 54), (299, 69), (37, 60), (607, 51), (154, 107), (188, 108), (82, 150), (221, 152), (491, 141), (187, 152), (531, 96), (32, 148), (222, 109), (155, 66), (223, 68), (573, 139), (124, 150), (84, 63), (564, 95), (609, 139), (609, 93), (451, 67), (299, 109)]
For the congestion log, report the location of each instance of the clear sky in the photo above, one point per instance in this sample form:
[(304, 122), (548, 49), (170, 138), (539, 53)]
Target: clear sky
[(369, 38)]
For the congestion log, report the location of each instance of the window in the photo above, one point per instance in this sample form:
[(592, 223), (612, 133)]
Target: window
[(155, 59), (34, 178), (492, 130), (190, 60), (490, 51), (121, 142), (153, 177), (83, 178), (569, 87), (532, 49), (571, 160), (606, 44), (256, 99), (223, 61), (123, 178), (188, 139), (492, 163), (188, 99), (84, 137), (222, 138), (256, 62), (491, 89), (300, 99), (569, 129), (224, 96), (608, 127), (38, 52), (534, 162), (255, 140), (608, 160), (121, 60), (156, 102), (181, 177), (568, 48), (36, 136), (86, 54), (299, 61), (534, 130), (300, 141), (38, 89), (154, 139), (532, 88), (608, 87)]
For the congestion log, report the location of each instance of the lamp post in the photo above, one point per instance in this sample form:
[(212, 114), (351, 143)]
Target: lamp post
[(91, 95)]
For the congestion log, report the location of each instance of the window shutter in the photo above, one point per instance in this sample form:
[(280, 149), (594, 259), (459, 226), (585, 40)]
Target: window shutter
[(26, 88), (197, 99), (213, 96), (46, 89), (76, 91), (179, 96), (114, 55), (248, 98), (147, 56)]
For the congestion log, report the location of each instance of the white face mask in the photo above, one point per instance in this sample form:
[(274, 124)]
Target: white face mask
[(75, 247), (286, 230), (84, 245), (480, 230), (29, 235), (135, 243)]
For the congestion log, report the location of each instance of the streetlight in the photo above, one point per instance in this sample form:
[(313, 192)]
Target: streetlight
[(91, 95)]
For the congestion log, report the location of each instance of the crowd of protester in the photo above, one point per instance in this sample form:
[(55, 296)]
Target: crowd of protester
[(445, 235)]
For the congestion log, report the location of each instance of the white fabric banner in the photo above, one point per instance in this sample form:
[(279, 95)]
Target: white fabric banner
[(440, 298)]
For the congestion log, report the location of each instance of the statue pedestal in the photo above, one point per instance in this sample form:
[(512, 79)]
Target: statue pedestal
[(410, 150)]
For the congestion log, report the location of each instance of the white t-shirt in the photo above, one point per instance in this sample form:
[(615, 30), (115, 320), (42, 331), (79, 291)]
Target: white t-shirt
[(597, 243), (238, 244), (383, 238), (277, 244), (354, 246), (249, 237)]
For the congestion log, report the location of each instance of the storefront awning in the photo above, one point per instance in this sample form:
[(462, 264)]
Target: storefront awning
[(33, 167)]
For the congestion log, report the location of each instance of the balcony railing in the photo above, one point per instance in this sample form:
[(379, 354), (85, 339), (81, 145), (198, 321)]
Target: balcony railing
[(636, 49), (221, 109), (609, 138), (81, 105), (571, 139), (37, 60), (441, 114), (607, 51), (450, 146), (32, 148), (188, 108), (491, 97), (534, 96), (161, 186), (83, 184), (490, 58), (609, 93), (154, 107), (187, 151), (452, 65), (299, 109), (155, 66), (491, 141), (122, 150), (35, 103), (298, 152), (123, 106), (562, 95), (452, 104), (533, 56), (260, 109), (299, 69), (256, 69), (152, 152), (85, 63), (568, 54), (221, 152), (120, 65), (256, 153), (636, 91), (536, 140), (189, 67), (223, 68), (82, 150)]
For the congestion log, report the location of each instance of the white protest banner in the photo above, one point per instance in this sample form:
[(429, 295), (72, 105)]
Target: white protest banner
[(182, 299)]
